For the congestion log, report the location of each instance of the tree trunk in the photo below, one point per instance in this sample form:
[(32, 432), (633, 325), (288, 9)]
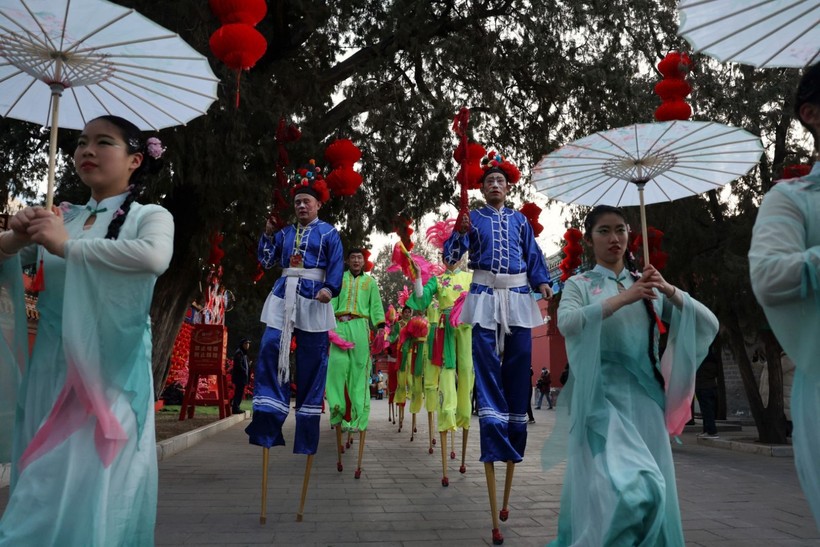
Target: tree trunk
[(770, 421), (172, 296), (179, 285)]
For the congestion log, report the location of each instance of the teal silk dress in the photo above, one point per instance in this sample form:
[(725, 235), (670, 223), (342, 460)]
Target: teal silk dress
[(619, 488), (783, 261), (84, 467)]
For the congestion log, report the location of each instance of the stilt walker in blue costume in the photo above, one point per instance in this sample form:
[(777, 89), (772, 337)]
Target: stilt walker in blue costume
[(310, 254), (507, 264), (784, 260)]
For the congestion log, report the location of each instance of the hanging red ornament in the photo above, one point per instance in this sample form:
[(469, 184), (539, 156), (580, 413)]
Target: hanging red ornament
[(674, 88), (572, 253), (342, 154), (532, 212), (249, 12), (238, 45)]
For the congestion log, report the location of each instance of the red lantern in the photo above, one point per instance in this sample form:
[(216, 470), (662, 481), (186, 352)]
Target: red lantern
[(674, 88), (249, 12), (237, 45)]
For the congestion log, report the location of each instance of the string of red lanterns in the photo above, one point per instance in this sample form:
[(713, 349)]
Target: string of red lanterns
[(237, 43)]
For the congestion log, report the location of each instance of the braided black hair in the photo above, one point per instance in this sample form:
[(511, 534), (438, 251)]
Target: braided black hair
[(134, 143), (589, 223)]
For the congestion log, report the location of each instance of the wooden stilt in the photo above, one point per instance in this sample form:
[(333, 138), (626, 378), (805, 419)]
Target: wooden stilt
[(463, 468), (444, 480), (413, 431), (305, 482), (361, 451), (430, 429), (505, 512), (263, 516), (489, 472), (391, 412), (401, 416), (453, 444), (349, 441), (339, 449)]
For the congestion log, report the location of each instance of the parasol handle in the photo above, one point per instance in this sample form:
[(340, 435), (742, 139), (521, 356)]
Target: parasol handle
[(645, 245), (56, 92)]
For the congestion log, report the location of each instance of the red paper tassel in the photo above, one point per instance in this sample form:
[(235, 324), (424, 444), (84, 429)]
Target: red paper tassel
[(39, 282)]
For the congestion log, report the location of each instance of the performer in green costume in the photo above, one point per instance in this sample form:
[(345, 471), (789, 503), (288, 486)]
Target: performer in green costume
[(358, 306)]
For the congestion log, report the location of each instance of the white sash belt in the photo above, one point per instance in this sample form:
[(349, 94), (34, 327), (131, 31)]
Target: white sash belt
[(291, 284), (501, 285)]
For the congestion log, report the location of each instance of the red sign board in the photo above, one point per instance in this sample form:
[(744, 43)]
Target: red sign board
[(209, 344)]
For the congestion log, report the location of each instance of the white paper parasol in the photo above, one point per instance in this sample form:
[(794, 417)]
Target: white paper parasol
[(647, 163), (101, 58), (763, 33)]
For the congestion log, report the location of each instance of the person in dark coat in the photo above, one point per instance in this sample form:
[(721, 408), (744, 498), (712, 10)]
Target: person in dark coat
[(706, 390), (240, 374)]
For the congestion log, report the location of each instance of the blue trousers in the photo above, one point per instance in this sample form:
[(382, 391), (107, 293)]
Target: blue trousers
[(271, 400), (502, 385)]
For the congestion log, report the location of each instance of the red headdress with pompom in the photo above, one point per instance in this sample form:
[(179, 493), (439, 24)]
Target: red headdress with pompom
[(310, 178), (494, 160)]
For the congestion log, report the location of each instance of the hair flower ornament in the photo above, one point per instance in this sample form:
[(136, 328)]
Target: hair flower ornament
[(154, 148)]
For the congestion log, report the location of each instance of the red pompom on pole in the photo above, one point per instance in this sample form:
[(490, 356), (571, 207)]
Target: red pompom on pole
[(674, 88), (342, 154), (532, 212), (460, 123)]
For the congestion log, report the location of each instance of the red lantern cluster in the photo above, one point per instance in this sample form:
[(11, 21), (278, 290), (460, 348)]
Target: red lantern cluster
[(572, 253), (657, 257), (341, 154), (532, 212), (674, 88), (470, 172), (237, 43)]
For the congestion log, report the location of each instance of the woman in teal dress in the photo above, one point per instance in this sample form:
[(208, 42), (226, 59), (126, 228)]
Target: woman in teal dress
[(83, 450), (784, 263), (619, 488)]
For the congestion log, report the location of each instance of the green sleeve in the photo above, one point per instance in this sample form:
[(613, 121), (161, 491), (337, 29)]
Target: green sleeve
[(420, 303)]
